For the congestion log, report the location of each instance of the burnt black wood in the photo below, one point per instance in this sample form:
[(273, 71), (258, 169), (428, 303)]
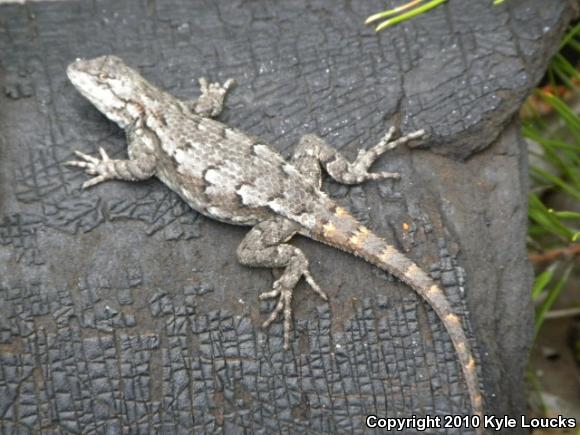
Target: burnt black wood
[(121, 310)]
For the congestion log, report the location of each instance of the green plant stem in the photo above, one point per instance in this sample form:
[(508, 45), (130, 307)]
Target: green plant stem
[(410, 14), (391, 12), (553, 294)]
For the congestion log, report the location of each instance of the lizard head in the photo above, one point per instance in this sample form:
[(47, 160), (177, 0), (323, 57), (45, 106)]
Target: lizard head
[(110, 85)]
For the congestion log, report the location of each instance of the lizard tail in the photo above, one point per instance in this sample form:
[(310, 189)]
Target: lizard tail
[(336, 227)]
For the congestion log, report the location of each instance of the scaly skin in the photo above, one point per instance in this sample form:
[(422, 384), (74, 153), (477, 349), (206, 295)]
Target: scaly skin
[(232, 177)]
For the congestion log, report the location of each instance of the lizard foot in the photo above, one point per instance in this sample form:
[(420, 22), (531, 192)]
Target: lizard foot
[(215, 89), (93, 166), (365, 158), (211, 101), (283, 292)]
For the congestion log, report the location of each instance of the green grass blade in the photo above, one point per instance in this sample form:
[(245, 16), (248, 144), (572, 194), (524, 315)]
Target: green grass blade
[(553, 294), (574, 44), (568, 215), (570, 118), (565, 71), (564, 164), (391, 12), (538, 213), (569, 36), (541, 281), (554, 143), (407, 15), (567, 187)]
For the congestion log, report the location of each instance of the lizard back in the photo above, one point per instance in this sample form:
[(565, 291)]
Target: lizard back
[(227, 174)]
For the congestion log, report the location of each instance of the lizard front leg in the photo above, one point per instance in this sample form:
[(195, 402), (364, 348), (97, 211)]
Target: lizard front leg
[(211, 101), (312, 148), (264, 246), (141, 167)]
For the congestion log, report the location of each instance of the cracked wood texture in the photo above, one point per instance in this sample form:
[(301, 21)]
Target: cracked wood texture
[(121, 310)]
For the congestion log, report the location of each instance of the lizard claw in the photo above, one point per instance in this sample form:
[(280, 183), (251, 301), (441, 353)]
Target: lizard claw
[(314, 286), (229, 83), (88, 159), (214, 89), (104, 155), (95, 180), (387, 137), (284, 294), (92, 166), (383, 175), (211, 100), (282, 307), (203, 84), (359, 169)]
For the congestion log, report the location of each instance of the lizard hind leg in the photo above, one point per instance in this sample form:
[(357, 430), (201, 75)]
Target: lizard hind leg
[(306, 159), (264, 246), (314, 149)]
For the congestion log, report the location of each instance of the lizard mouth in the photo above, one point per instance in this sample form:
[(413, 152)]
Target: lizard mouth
[(90, 76), (95, 80), (88, 66), (80, 77), (73, 68)]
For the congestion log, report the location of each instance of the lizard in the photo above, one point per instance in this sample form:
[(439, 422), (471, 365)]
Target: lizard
[(232, 177)]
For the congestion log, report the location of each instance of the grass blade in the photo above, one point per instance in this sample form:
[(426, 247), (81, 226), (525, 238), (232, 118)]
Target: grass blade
[(553, 294), (569, 36), (391, 12), (542, 281), (410, 14), (557, 182), (538, 213)]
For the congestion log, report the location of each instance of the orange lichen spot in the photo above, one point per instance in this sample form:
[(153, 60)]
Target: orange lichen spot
[(340, 212), (406, 227), (328, 229)]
